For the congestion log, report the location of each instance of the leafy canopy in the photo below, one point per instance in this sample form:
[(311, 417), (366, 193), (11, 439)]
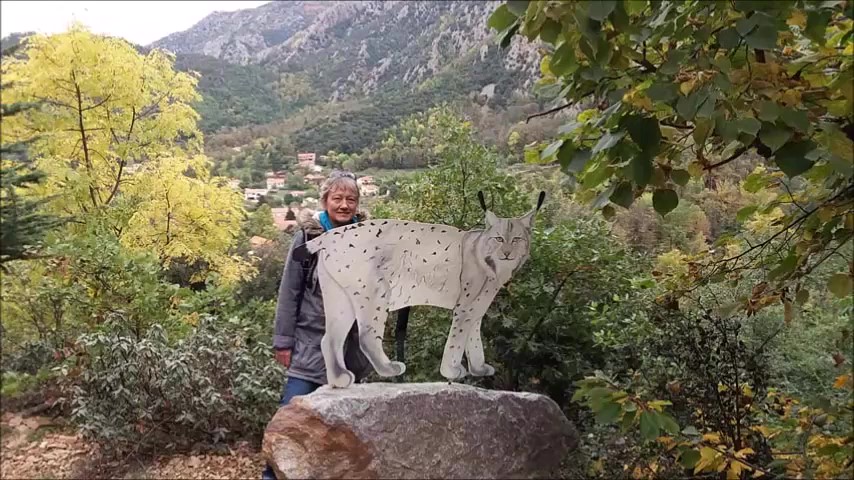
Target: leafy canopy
[(682, 89), (116, 136)]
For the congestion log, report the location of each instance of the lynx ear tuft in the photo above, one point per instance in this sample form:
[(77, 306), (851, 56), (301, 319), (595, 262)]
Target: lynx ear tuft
[(482, 201), (541, 199)]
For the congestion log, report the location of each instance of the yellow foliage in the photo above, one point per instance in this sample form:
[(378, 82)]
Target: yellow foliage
[(797, 19), (104, 108), (842, 381), (765, 224), (117, 137), (181, 216)]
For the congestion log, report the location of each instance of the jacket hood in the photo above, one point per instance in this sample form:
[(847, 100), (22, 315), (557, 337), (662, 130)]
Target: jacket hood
[(309, 220)]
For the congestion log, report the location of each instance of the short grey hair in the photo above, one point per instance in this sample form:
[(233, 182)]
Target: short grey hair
[(338, 179)]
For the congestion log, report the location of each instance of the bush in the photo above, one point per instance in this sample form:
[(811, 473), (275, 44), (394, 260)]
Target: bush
[(29, 357), (215, 384)]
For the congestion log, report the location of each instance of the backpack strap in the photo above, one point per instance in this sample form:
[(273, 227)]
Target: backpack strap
[(307, 263)]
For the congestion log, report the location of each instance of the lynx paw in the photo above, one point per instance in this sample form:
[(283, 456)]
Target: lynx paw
[(391, 369), (453, 373), (342, 381), (399, 367), (485, 370)]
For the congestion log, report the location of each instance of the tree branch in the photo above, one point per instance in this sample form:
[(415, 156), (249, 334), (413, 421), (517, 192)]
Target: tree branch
[(548, 112), (88, 161), (739, 152)]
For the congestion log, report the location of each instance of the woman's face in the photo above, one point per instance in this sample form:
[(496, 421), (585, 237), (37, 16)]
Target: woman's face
[(341, 205)]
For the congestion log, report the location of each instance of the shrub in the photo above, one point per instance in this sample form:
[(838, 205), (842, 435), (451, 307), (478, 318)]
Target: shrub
[(29, 357), (212, 385)]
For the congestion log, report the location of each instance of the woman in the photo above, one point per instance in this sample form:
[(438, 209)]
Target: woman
[(300, 321)]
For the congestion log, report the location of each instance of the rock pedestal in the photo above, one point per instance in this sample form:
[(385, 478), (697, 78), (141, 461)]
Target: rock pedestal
[(417, 430)]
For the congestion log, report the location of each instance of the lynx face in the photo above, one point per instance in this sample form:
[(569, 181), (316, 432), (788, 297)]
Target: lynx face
[(507, 241), (507, 244)]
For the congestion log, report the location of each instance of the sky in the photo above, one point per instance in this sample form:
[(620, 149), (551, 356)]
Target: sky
[(140, 22)]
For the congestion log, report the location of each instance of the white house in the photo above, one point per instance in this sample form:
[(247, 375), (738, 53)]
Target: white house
[(254, 194)]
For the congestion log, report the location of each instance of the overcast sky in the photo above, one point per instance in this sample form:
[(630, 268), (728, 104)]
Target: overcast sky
[(141, 22)]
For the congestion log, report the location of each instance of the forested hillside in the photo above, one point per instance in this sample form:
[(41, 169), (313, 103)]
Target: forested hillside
[(352, 69), (687, 302)]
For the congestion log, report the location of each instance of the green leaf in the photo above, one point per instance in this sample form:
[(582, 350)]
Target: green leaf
[(662, 92), (802, 296), (506, 36), (768, 111), (723, 64), (623, 195), (666, 422), (579, 160), (596, 175), (817, 21), (641, 169), (501, 18), (664, 201), (689, 458), (603, 197), (744, 25), (550, 31), (764, 37), (745, 213), (728, 38), (680, 177), (531, 155), (786, 267), (552, 149), (673, 63), (648, 426), (644, 131), (518, 7), (706, 103), (686, 107), (691, 430), (607, 141), (600, 9), (568, 128), (563, 60), (773, 136), (608, 212), (792, 157), (701, 130), (608, 413), (748, 125), (840, 285), (755, 182), (727, 129), (797, 119)]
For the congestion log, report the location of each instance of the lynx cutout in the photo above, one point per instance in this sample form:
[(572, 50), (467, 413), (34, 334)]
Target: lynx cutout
[(374, 267)]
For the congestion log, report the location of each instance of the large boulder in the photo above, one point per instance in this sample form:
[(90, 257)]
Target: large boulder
[(417, 430)]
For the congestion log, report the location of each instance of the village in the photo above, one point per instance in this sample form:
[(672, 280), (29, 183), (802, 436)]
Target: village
[(295, 201)]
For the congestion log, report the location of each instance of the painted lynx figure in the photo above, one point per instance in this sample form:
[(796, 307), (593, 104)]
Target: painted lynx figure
[(371, 268)]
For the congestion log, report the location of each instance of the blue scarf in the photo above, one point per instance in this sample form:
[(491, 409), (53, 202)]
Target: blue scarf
[(327, 224)]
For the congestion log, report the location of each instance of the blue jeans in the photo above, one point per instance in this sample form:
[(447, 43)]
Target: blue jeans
[(294, 387)]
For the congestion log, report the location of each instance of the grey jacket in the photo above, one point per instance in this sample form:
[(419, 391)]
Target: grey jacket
[(302, 333)]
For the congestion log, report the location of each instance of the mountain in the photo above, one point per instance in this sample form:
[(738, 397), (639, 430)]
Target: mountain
[(240, 36), (354, 49)]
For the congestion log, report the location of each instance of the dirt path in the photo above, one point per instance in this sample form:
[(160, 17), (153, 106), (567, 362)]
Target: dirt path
[(41, 447)]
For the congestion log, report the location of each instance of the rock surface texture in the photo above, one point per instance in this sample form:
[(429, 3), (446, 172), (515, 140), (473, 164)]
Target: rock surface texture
[(418, 430)]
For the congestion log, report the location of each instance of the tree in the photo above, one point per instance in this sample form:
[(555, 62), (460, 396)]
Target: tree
[(686, 89), (446, 193), (104, 108), (22, 224), (683, 94), (260, 223)]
